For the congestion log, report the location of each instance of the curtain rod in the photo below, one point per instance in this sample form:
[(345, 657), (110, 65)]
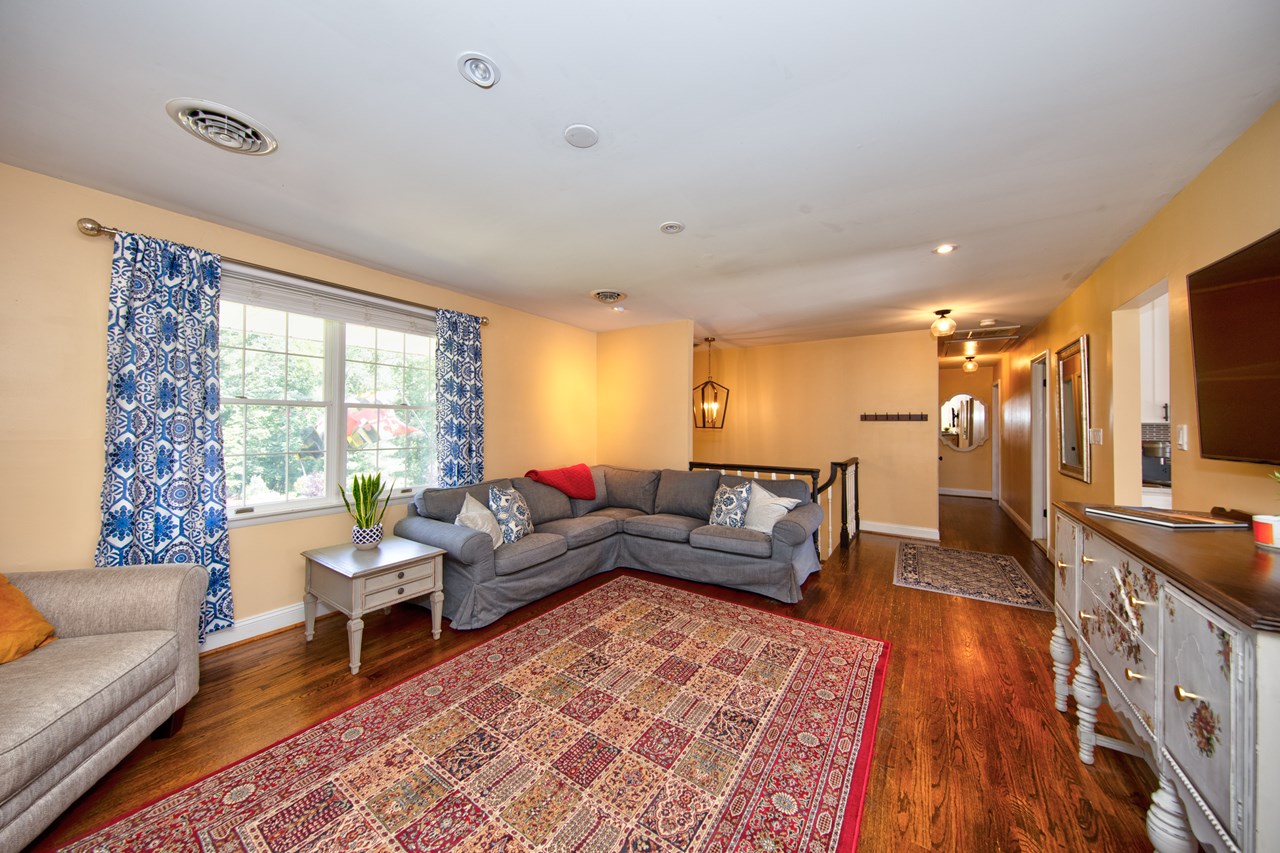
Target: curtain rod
[(94, 228)]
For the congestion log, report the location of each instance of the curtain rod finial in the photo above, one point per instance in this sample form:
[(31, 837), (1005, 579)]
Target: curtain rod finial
[(89, 226)]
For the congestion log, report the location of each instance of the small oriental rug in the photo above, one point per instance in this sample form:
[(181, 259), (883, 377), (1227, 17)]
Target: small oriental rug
[(970, 574), (636, 717)]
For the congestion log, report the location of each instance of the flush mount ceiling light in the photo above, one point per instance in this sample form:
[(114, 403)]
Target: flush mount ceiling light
[(479, 69), (672, 227), (969, 366), (945, 248), (221, 126), (608, 297), (581, 135), (944, 325)]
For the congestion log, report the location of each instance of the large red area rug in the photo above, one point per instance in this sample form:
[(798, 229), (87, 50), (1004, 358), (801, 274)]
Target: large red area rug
[(636, 717)]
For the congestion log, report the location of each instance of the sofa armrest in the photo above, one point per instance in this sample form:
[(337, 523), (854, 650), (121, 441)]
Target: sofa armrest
[(85, 602), (463, 544), (798, 525)]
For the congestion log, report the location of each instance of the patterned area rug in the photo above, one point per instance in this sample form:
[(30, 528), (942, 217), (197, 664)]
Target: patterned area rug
[(634, 718), (971, 574)]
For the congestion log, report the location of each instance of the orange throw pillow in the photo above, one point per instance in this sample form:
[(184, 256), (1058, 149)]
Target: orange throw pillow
[(22, 628)]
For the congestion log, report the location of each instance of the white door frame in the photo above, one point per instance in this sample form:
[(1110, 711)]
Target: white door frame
[(1040, 450), (995, 424)]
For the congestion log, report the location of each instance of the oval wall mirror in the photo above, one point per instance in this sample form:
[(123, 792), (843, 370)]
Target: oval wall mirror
[(964, 423)]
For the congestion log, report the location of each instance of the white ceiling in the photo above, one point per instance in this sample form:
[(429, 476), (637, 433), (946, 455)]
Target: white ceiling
[(816, 150)]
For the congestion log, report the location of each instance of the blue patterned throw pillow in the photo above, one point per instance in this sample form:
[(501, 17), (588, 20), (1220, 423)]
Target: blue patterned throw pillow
[(512, 512), (729, 509)]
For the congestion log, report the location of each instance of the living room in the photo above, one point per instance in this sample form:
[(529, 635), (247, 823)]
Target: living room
[(558, 393)]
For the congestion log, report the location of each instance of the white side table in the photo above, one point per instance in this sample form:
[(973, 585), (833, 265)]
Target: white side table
[(355, 582)]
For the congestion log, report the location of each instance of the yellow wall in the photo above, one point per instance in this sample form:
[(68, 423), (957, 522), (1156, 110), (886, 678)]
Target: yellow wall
[(1232, 203), (540, 380), (644, 392), (799, 405), (968, 471)]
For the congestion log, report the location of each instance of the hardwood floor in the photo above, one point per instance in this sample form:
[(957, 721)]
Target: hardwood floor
[(970, 754)]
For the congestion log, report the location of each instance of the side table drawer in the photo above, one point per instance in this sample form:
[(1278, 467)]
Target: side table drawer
[(409, 574), (1126, 586), (392, 594)]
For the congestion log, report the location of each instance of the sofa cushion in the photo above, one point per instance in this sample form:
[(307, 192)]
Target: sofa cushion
[(686, 492), (628, 487), (582, 531), (445, 504), (617, 513), (477, 516), (732, 540), (546, 503), (766, 509), (729, 509), (512, 512), (54, 698), (600, 501), (529, 551), (671, 528)]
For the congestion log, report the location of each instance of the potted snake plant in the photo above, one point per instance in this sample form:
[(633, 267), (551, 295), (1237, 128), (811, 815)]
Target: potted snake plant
[(366, 510)]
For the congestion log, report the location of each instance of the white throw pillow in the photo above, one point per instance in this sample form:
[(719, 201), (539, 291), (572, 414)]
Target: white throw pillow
[(478, 517), (765, 509)]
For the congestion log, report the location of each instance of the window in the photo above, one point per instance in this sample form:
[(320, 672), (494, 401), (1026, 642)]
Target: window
[(319, 384)]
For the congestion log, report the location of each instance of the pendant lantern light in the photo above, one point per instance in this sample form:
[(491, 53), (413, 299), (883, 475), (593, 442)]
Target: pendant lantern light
[(710, 399), (969, 366)]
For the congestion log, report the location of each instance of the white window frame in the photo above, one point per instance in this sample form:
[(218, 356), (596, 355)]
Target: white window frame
[(273, 289)]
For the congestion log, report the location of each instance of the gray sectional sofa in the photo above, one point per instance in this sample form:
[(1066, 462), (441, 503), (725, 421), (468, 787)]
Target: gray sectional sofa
[(126, 660), (643, 519)]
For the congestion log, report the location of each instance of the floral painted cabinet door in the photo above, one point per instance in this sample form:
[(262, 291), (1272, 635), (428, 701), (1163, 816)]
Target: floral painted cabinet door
[(1203, 702)]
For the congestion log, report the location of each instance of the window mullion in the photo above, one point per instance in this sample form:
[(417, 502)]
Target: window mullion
[(335, 394)]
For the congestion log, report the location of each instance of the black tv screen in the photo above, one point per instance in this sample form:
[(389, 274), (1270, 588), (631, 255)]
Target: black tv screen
[(1234, 307)]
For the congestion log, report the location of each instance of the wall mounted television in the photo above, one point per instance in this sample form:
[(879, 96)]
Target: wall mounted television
[(1234, 307)]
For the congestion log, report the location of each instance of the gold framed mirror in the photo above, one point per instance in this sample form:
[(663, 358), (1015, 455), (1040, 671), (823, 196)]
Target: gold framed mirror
[(964, 423), (1073, 409)]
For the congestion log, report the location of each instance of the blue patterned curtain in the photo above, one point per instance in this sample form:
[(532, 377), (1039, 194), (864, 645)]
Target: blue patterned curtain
[(459, 399), (163, 489)]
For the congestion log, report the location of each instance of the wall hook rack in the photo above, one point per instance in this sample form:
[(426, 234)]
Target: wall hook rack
[(897, 416)]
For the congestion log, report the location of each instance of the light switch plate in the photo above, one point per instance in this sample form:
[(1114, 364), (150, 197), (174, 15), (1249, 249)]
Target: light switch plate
[(1095, 436), (1182, 436)]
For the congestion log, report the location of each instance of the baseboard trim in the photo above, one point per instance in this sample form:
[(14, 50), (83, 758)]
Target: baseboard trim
[(1023, 525), (930, 533), (967, 493), (263, 623)]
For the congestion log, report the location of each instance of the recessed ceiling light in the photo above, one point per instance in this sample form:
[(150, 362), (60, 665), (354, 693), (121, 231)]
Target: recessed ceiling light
[(671, 227), (945, 248), (619, 308), (221, 127), (479, 69)]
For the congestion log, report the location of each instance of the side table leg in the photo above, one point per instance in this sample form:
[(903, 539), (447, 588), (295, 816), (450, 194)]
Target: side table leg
[(1061, 652), (437, 609), (1167, 821), (1088, 695), (355, 633), (309, 615)]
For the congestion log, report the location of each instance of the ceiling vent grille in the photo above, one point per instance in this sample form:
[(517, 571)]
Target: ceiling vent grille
[(221, 126), (987, 340), (608, 297)]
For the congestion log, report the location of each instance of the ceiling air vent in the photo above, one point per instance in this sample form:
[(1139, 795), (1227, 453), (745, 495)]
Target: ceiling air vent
[(221, 126), (608, 297)]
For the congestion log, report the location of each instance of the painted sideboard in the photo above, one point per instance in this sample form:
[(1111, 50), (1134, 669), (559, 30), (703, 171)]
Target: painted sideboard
[(1179, 632)]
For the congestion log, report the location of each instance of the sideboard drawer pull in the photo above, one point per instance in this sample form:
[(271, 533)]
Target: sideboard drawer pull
[(400, 576), (1061, 565), (1183, 695), (400, 591), (1084, 559), (1134, 601), (1130, 675), (1084, 615)]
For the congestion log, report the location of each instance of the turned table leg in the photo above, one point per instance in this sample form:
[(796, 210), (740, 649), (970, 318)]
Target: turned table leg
[(1167, 821), (1088, 695), (1062, 653)]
